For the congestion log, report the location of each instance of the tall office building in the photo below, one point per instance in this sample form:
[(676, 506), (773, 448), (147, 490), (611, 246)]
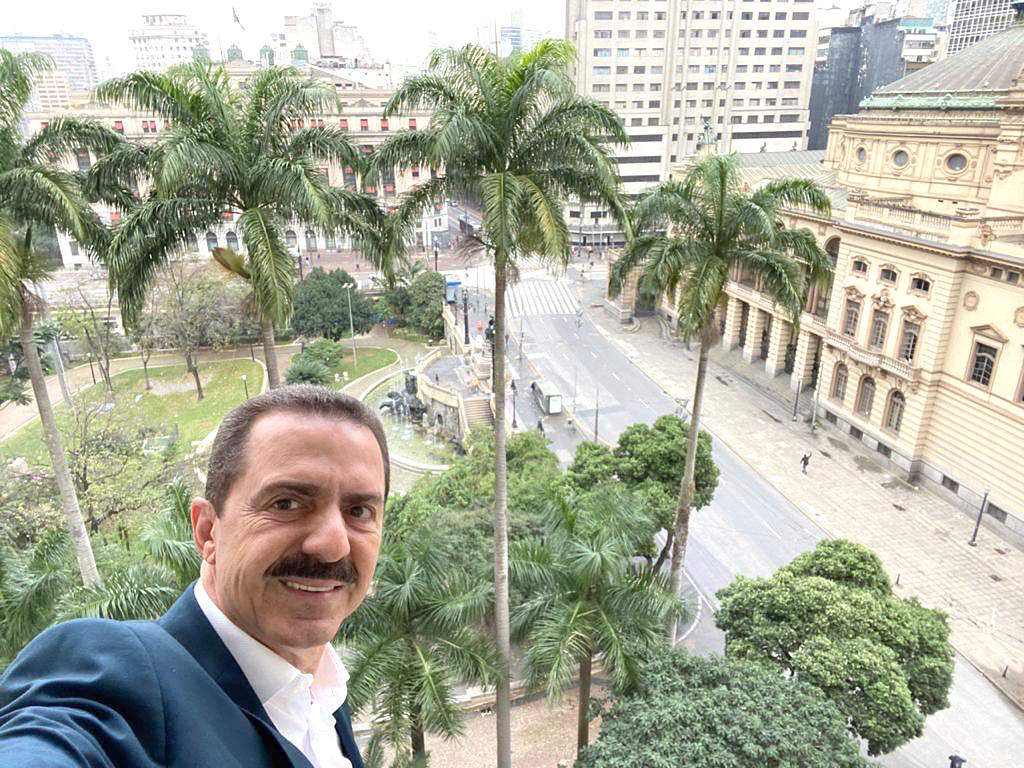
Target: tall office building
[(973, 20), (667, 67), (164, 40), (517, 36), (71, 56)]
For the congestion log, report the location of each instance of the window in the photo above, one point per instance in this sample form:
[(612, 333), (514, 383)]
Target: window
[(412, 123), (862, 155), (996, 273), (894, 415), (888, 275), (879, 327), (983, 363), (602, 34), (364, 124), (603, 53), (310, 240), (866, 396), (343, 122), (656, 104), (794, 51), (119, 126), (211, 241), (852, 315), (839, 380), (800, 16), (72, 246), (290, 239), (232, 240), (908, 340), (84, 160), (798, 33), (900, 158), (639, 70), (956, 162), (384, 124), (860, 266), (638, 86), (623, 52), (607, 15), (602, 70), (794, 67), (601, 88)]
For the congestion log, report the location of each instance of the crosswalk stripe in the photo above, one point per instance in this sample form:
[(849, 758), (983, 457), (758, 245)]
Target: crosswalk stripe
[(541, 297)]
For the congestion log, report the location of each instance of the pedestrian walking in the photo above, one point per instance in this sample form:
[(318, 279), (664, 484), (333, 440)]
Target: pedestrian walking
[(804, 461)]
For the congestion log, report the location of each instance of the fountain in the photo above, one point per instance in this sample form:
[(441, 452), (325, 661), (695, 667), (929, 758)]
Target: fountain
[(401, 413)]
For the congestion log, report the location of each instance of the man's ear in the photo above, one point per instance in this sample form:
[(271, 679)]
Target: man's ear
[(204, 522)]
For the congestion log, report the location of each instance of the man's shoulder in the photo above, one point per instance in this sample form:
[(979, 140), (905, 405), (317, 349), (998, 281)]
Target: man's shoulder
[(99, 635)]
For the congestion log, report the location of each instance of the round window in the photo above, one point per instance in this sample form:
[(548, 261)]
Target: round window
[(956, 162), (862, 154), (900, 158)]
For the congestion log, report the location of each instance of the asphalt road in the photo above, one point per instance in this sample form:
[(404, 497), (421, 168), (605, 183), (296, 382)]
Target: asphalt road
[(749, 528)]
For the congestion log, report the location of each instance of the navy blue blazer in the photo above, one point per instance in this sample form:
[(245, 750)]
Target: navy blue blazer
[(140, 694)]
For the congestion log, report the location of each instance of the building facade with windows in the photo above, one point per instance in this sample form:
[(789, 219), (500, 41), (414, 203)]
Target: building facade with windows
[(164, 40), (74, 67), (668, 66), (971, 21), (361, 115), (917, 348)]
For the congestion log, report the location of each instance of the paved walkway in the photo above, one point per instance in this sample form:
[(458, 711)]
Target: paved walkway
[(921, 538)]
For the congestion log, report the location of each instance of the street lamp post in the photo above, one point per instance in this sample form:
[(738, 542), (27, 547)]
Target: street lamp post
[(796, 400), (435, 257), (465, 314), (351, 327), (513, 385), (298, 258), (597, 409), (977, 523), (245, 383)]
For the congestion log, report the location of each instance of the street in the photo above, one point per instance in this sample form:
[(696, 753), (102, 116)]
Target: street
[(749, 528)]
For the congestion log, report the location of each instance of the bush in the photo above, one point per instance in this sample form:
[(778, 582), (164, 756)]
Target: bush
[(324, 351), (304, 370)]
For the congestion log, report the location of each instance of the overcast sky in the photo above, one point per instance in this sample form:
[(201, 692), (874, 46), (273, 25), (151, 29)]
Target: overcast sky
[(392, 29)]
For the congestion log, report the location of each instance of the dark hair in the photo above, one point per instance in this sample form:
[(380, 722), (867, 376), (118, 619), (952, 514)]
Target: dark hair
[(227, 458)]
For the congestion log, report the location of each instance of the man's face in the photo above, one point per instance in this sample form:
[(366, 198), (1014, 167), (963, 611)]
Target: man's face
[(305, 512)]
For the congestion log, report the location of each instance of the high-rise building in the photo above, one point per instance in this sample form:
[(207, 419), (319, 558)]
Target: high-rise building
[(517, 36), (323, 37), (164, 40), (867, 52), (668, 66), (71, 56), (973, 20)]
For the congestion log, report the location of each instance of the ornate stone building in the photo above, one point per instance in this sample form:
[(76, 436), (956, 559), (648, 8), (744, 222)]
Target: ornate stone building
[(918, 347)]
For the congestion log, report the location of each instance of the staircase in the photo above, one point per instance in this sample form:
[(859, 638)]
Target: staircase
[(478, 411)]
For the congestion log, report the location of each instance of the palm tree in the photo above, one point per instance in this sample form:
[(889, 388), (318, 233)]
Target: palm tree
[(412, 641), (583, 596), (37, 193), (511, 133), (228, 151), (689, 235)]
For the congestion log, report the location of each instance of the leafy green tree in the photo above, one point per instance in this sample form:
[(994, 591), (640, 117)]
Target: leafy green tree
[(305, 370), (93, 326), (689, 237), (713, 712), (233, 150), (197, 310), (322, 305), (830, 619), (513, 134), (413, 640), (37, 193), (582, 596), (426, 300)]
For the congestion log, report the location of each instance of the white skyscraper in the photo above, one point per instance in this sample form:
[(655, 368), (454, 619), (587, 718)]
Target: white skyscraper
[(165, 40)]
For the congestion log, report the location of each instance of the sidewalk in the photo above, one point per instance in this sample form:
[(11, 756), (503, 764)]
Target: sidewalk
[(921, 539)]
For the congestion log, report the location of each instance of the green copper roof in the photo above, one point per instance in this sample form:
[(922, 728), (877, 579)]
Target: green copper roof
[(975, 78)]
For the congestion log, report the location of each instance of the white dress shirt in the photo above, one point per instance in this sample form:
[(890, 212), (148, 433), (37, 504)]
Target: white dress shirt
[(301, 706)]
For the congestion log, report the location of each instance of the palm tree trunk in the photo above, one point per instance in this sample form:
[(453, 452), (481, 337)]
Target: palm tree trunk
[(270, 352), (72, 511), (503, 694), (686, 488), (670, 536), (418, 740), (582, 721)]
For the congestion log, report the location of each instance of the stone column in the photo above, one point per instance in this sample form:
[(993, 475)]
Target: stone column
[(778, 340), (733, 317), (755, 327), (803, 364)]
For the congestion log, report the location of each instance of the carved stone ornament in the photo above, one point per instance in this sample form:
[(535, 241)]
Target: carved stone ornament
[(882, 300), (853, 292), (913, 314), (979, 267), (1018, 317), (985, 234), (971, 300)]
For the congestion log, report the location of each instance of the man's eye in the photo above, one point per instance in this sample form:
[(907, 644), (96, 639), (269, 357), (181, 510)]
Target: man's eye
[(361, 512), (285, 505)]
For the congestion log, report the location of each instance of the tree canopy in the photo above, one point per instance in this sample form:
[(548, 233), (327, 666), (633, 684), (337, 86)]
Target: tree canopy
[(322, 305), (720, 713), (830, 619)]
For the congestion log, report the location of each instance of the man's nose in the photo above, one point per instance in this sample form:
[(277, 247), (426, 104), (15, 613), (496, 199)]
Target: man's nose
[(327, 536)]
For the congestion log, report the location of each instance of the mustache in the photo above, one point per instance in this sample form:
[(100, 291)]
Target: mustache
[(306, 567)]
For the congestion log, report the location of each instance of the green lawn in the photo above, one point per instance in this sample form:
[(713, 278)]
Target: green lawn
[(370, 359), (171, 401), (408, 334)]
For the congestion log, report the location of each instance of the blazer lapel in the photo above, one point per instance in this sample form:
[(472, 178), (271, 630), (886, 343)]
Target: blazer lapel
[(343, 725), (186, 623)]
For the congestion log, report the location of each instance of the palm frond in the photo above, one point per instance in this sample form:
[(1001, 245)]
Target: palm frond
[(270, 264)]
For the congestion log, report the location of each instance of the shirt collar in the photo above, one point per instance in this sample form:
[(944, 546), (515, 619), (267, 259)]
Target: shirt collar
[(268, 673)]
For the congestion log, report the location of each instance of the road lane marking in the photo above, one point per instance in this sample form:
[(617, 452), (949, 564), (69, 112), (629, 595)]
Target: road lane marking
[(774, 532), (565, 356), (616, 376), (593, 353), (645, 405)]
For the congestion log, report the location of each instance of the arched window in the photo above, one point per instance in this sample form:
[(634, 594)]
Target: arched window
[(232, 239), (832, 249), (839, 379), (894, 415), (211, 241), (291, 240), (310, 240), (866, 396), (329, 243)]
